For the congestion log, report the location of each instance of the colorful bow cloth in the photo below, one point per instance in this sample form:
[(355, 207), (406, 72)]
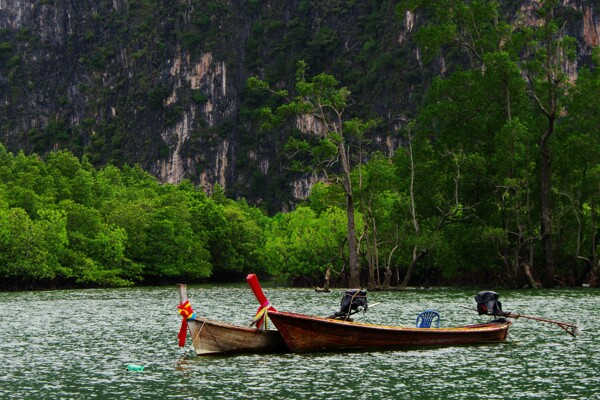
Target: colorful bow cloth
[(186, 311), (261, 317)]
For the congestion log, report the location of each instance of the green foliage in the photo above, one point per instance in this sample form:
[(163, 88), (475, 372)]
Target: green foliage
[(62, 220), (31, 249), (490, 124), (318, 108), (156, 96), (475, 144), (303, 243), (6, 52), (199, 97), (475, 26)]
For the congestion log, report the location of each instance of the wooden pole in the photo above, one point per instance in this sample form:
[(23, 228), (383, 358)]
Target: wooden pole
[(182, 289), (252, 280), (192, 328), (540, 319), (571, 329), (265, 305)]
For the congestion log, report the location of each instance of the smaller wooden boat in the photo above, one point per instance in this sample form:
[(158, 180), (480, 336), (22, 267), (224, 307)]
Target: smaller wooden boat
[(218, 338), (304, 333)]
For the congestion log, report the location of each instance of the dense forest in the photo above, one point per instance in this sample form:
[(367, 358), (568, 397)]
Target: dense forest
[(497, 180)]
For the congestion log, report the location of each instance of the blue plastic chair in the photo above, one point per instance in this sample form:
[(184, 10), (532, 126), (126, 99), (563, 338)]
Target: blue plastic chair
[(426, 319)]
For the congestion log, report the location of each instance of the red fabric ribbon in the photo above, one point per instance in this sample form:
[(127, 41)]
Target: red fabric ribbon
[(182, 332), (186, 311)]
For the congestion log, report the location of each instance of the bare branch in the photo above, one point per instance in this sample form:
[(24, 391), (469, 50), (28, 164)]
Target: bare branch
[(535, 97)]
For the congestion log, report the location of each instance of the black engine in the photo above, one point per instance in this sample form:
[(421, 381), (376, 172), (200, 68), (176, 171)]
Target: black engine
[(354, 300), (488, 303)]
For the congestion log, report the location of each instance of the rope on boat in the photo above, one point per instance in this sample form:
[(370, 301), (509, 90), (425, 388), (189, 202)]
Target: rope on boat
[(215, 339), (185, 353)]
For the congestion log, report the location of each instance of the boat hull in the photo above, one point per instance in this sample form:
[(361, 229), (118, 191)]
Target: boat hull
[(219, 338), (304, 333)]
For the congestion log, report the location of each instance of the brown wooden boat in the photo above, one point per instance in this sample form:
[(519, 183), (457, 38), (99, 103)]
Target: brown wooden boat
[(219, 338), (304, 333)]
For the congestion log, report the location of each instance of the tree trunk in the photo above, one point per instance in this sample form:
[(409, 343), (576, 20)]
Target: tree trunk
[(387, 275), (595, 264), (550, 110), (373, 257), (413, 212), (546, 208), (387, 279), (352, 247), (530, 279), (325, 288), (411, 268), (595, 275), (370, 258)]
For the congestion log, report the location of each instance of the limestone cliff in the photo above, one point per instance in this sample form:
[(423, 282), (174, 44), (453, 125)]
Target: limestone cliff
[(162, 82)]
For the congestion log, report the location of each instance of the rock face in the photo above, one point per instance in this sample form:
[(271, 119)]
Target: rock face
[(162, 84), (210, 77), (111, 79)]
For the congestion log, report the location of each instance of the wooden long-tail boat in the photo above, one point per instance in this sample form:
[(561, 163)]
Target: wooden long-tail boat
[(303, 333), (211, 337), (219, 338)]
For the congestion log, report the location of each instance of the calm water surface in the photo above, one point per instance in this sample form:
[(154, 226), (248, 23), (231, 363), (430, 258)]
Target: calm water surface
[(76, 344)]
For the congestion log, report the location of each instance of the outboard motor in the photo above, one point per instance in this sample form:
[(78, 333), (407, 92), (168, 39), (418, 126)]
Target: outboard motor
[(353, 301), (488, 303)]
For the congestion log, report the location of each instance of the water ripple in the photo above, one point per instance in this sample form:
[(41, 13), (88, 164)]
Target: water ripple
[(77, 343)]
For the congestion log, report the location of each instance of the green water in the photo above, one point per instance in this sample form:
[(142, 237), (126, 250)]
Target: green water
[(76, 344)]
